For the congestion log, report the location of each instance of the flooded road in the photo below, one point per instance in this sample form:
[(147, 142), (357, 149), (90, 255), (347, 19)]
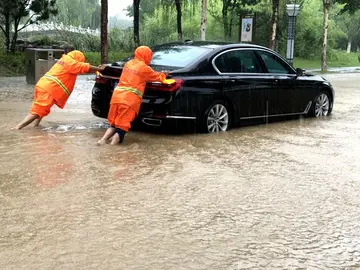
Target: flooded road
[(278, 196)]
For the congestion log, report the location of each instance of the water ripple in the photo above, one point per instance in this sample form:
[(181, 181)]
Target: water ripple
[(276, 196)]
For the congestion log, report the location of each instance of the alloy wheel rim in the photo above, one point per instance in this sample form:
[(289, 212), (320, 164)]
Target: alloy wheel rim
[(218, 119), (322, 105)]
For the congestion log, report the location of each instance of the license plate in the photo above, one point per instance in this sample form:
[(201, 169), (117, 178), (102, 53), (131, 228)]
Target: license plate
[(115, 84)]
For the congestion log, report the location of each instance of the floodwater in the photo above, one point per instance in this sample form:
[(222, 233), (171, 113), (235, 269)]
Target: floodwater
[(278, 196)]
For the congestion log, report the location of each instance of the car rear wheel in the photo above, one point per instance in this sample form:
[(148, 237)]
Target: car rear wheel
[(322, 105), (217, 117)]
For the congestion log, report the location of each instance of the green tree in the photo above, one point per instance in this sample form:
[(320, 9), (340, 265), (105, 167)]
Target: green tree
[(68, 13), (349, 24), (230, 11), (136, 7), (274, 22), (104, 31), (179, 5), (350, 6), (147, 8), (178, 18), (326, 8), (96, 17), (203, 19), (228, 6), (12, 12)]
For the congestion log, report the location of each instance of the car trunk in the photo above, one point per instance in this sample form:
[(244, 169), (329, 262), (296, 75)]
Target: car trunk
[(157, 96)]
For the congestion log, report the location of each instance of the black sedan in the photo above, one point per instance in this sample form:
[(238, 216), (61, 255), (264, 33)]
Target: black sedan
[(216, 85)]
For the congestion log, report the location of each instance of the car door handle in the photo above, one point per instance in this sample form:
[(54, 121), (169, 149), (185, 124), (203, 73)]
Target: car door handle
[(232, 80)]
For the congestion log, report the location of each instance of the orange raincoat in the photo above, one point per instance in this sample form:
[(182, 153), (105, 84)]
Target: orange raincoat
[(127, 96), (56, 86)]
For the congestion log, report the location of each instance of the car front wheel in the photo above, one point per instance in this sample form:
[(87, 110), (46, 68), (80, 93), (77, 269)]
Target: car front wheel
[(322, 105), (217, 117)]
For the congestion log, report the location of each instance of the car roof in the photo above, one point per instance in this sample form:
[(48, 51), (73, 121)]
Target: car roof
[(211, 44), (216, 46)]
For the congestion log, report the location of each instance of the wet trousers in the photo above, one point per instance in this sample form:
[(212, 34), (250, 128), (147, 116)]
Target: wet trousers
[(42, 103), (120, 116)]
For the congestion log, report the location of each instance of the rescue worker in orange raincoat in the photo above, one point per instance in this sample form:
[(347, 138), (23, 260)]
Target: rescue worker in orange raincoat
[(127, 96), (56, 86)]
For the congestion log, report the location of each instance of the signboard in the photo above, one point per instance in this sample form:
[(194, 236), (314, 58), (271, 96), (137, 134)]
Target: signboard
[(247, 28)]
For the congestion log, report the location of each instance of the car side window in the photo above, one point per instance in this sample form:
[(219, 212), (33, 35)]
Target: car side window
[(274, 64), (237, 61)]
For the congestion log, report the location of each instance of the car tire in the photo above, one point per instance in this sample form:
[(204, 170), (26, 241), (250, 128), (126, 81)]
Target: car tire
[(217, 117), (322, 105)]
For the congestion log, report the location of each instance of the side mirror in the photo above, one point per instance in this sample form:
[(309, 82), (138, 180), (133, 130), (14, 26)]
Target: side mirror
[(300, 72)]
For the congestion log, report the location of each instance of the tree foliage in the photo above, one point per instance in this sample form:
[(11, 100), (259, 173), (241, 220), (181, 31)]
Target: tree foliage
[(104, 31), (136, 9), (231, 10), (13, 12), (158, 24), (68, 13), (350, 6)]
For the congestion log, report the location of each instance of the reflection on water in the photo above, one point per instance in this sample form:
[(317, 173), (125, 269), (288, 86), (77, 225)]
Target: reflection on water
[(277, 196)]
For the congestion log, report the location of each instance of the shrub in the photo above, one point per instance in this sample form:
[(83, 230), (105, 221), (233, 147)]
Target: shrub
[(12, 64), (95, 59), (341, 58)]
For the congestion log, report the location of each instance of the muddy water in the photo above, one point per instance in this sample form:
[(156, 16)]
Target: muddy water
[(277, 196)]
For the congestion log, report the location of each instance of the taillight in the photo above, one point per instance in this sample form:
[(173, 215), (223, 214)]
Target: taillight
[(169, 85), (100, 78)]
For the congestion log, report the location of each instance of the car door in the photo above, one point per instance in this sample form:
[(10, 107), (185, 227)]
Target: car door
[(283, 96), (243, 81)]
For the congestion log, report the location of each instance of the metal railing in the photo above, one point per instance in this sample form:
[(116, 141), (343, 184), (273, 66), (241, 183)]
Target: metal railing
[(51, 26)]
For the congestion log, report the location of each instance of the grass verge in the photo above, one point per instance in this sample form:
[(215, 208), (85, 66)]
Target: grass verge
[(12, 64), (94, 58), (336, 59)]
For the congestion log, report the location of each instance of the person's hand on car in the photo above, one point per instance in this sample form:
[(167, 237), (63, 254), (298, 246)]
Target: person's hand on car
[(167, 72), (102, 67)]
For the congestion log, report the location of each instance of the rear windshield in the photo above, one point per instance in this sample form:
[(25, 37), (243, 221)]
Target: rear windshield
[(177, 56)]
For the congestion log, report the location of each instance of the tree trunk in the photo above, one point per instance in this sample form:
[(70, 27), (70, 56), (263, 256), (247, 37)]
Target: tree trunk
[(230, 24), (15, 35), (136, 4), (13, 42), (348, 49), (203, 19), (104, 31), (326, 6), (7, 31), (273, 25), (225, 19), (178, 19)]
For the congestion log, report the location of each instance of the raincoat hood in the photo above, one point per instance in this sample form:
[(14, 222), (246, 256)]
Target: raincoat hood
[(144, 54), (77, 55)]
